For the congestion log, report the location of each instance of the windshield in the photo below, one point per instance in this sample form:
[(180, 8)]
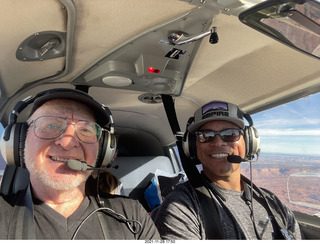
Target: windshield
[(297, 25)]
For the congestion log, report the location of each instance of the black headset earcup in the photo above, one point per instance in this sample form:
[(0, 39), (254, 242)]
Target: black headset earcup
[(189, 145), (107, 150), (12, 145), (252, 140)]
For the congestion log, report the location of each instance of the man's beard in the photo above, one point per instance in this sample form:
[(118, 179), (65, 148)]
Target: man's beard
[(56, 181)]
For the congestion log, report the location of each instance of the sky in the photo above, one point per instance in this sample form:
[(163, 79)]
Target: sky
[(292, 128)]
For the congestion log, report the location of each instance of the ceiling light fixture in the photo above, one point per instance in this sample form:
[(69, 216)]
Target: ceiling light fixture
[(116, 81)]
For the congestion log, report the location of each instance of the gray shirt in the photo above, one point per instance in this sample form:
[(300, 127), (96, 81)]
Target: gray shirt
[(180, 216), (49, 224)]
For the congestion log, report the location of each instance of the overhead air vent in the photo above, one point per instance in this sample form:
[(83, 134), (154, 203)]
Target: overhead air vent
[(150, 98)]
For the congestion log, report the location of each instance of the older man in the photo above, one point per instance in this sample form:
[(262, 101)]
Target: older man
[(70, 126)]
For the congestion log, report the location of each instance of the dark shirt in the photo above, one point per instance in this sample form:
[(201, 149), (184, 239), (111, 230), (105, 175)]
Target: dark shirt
[(49, 224), (180, 216)]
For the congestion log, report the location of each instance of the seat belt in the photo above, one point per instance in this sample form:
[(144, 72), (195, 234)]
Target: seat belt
[(287, 235), (210, 215), (189, 165), (21, 226), (16, 187)]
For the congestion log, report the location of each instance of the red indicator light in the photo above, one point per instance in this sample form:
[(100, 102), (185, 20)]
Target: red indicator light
[(153, 70)]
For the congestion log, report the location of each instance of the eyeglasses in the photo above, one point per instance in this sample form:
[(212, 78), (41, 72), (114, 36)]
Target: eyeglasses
[(227, 135), (51, 127)]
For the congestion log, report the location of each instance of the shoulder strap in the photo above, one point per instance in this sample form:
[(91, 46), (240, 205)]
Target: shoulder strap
[(287, 235), (210, 215), (14, 179), (110, 231), (112, 227), (21, 226), (16, 187)]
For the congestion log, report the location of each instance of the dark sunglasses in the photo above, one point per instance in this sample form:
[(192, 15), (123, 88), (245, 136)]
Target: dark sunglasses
[(227, 135)]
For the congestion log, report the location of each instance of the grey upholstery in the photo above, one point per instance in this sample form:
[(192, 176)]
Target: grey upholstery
[(135, 173), (14, 179)]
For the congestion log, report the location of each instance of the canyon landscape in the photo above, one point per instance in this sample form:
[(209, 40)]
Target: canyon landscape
[(297, 175)]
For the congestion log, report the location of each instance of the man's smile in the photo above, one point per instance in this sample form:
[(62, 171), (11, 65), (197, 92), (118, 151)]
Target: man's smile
[(219, 155)]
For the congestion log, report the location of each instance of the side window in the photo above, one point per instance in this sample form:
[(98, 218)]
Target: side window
[(289, 163)]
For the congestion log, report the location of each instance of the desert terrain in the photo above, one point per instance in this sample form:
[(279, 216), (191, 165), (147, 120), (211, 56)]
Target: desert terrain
[(294, 174)]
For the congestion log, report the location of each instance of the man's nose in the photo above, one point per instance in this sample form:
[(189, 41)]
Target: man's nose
[(217, 141), (68, 139)]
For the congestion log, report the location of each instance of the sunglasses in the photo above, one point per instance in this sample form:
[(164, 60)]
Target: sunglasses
[(227, 135)]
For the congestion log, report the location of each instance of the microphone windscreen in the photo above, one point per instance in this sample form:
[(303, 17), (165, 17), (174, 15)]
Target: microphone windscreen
[(76, 165), (235, 159)]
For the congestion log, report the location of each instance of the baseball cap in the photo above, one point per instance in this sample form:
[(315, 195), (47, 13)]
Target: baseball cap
[(216, 110), (100, 113)]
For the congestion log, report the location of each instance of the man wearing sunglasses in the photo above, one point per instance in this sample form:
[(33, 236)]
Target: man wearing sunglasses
[(223, 208), (66, 126)]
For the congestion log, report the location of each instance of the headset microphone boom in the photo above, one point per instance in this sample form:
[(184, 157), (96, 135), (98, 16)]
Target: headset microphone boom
[(235, 159), (82, 165)]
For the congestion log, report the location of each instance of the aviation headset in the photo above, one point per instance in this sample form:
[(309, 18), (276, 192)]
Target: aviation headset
[(14, 135), (225, 111)]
